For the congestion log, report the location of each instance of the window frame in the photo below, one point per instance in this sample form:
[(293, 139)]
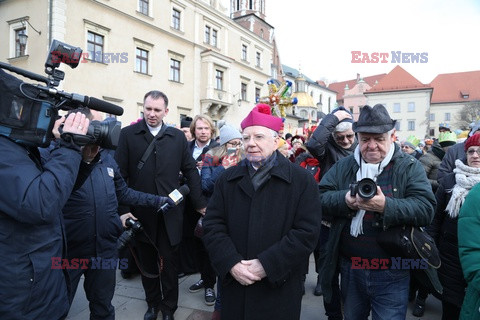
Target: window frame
[(214, 38), (20, 50), (411, 107), (411, 127), (175, 70), (447, 116), (219, 78), (258, 59), (395, 105), (141, 7), (243, 91), (176, 19), (141, 59), (207, 33), (94, 56), (244, 52)]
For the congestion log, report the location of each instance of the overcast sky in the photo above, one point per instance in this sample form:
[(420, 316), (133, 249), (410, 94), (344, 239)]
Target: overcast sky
[(319, 36)]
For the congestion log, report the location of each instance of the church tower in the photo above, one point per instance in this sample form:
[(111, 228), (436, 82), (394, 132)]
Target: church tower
[(243, 7)]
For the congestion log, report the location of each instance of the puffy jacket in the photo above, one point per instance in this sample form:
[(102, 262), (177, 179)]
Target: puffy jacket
[(91, 213), (31, 229), (431, 161), (412, 203)]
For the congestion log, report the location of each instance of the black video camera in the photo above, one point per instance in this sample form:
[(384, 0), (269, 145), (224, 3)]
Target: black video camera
[(366, 188), (133, 227), (28, 111)]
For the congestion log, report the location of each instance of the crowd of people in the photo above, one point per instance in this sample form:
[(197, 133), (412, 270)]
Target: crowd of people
[(249, 242)]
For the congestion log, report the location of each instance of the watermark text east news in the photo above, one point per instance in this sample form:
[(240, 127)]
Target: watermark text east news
[(384, 57)]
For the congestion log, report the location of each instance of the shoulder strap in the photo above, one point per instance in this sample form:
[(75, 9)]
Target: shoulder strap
[(149, 150)]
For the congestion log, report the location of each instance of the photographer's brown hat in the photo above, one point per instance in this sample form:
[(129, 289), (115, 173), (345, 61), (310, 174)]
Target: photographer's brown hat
[(374, 120)]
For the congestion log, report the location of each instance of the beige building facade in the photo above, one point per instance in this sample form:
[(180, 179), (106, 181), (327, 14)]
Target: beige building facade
[(192, 50)]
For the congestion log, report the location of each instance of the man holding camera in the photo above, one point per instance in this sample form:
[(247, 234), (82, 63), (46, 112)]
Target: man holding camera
[(31, 230), (157, 173), (403, 197)]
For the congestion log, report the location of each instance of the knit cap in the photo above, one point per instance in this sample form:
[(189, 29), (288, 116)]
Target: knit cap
[(447, 138), (412, 142), (227, 132)]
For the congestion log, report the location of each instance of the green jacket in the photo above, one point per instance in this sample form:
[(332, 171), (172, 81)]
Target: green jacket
[(469, 251), (413, 202)]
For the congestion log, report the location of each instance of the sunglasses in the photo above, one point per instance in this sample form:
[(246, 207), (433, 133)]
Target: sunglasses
[(341, 138)]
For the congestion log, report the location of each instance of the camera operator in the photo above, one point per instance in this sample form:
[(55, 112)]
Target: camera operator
[(403, 197), (93, 225), (33, 194)]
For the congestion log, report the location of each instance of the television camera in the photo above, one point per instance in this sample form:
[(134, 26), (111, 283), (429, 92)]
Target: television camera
[(28, 111)]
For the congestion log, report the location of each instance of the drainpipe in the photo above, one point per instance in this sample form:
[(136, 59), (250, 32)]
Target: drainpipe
[(50, 20)]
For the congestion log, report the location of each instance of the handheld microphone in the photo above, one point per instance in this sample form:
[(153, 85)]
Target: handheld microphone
[(177, 196)]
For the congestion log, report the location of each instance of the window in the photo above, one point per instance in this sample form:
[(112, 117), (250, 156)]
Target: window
[(257, 94), (207, 34), (176, 19), (447, 116), (411, 125), (244, 52), (143, 6), (396, 107), (174, 70), (258, 59), (214, 37), (243, 92), (432, 132), (95, 46), (141, 61), (397, 125), (304, 114), (19, 48), (432, 116), (250, 4), (411, 107), (219, 80)]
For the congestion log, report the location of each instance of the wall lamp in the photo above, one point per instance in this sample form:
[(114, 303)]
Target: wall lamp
[(22, 37)]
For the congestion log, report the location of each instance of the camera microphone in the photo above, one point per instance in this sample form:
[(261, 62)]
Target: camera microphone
[(177, 196), (95, 104)]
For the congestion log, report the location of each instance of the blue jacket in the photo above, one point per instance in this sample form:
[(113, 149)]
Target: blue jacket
[(91, 215), (31, 232)]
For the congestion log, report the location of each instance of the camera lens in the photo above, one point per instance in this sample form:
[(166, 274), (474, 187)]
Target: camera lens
[(367, 188)]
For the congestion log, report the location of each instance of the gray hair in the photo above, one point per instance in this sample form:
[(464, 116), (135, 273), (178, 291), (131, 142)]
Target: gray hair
[(343, 126)]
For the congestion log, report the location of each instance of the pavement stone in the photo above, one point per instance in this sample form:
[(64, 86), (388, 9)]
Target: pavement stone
[(129, 301)]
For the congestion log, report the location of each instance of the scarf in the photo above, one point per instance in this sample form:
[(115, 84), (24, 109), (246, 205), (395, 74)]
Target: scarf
[(367, 170), (466, 177)]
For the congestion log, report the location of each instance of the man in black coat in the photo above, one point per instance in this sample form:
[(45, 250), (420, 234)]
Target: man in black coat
[(202, 130), (158, 175), (257, 238)]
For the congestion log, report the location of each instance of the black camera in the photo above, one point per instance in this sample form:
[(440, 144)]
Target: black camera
[(133, 227), (28, 111), (366, 188), (101, 133)]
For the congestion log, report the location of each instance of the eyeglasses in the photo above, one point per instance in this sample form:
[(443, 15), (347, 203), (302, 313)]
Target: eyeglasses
[(471, 152), (236, 144), (341, 138)]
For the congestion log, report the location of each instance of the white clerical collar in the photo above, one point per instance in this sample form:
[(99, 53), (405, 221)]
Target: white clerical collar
[(155, 130)]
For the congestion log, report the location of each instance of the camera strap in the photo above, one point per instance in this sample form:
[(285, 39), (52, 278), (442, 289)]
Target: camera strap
[(149, 150), (159, 263)]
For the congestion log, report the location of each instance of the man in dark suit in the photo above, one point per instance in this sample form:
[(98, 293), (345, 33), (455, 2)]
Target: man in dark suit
[(158, 175)]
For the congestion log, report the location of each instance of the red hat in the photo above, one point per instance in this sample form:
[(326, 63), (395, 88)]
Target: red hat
[(261, 115), (473, 141)]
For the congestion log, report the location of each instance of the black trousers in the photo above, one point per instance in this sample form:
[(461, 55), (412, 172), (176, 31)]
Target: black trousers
[(99, 288), (167, 284), (206, 270)]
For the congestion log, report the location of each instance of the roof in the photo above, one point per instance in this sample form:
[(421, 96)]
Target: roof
[(339, 87), (304, 99), (291, 72), (452, 87), (397, 80)]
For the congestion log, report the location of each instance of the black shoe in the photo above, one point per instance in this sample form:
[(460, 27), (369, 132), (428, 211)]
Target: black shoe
[(167, 315), (210, 296), (419, 308), (196, 286), (151, 314), (318, 288)]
